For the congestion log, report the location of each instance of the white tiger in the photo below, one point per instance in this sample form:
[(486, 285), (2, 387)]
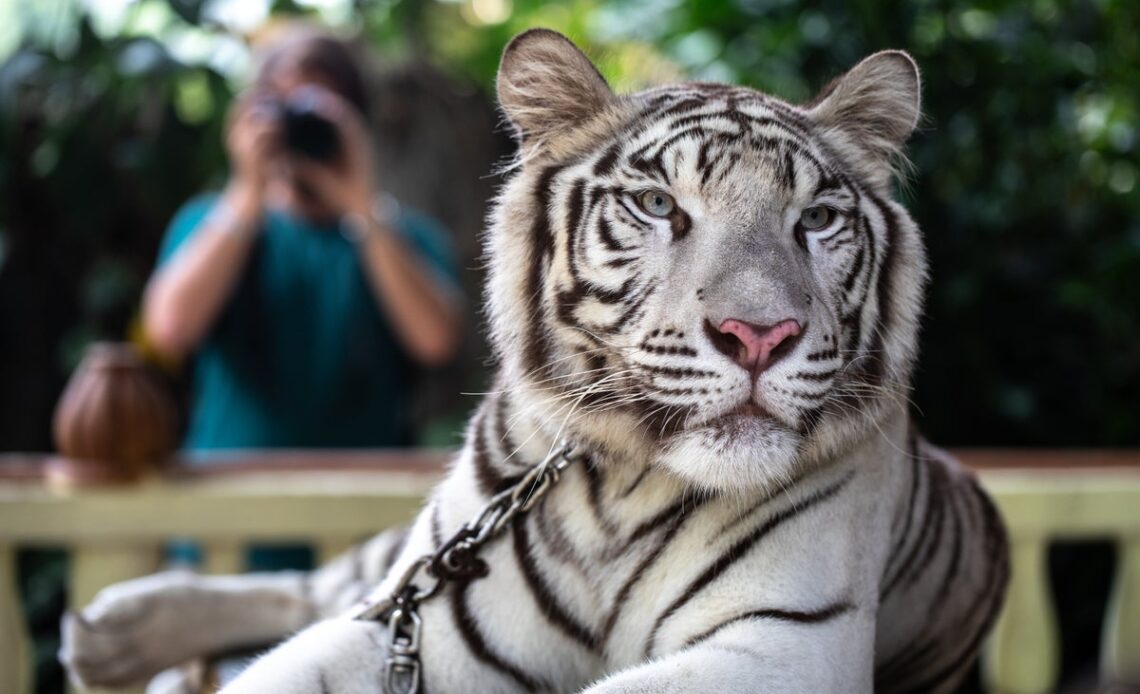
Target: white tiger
[(710, 292)]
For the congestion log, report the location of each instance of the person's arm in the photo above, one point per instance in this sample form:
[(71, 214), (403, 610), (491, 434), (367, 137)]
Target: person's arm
[(186, 294), (424, 313)]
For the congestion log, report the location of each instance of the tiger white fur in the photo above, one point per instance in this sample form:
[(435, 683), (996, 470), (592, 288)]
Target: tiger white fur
[(711, 293)]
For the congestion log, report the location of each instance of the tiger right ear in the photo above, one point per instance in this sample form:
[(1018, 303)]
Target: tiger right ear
[(871, 111), (546, 85)]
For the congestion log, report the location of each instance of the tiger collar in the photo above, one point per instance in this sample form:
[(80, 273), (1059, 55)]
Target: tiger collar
[(456, 559)]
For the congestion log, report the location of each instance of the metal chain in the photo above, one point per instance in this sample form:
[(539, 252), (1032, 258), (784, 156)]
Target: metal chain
[(456, 559)]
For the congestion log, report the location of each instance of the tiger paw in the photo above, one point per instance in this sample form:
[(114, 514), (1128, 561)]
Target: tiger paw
[(132, 630)]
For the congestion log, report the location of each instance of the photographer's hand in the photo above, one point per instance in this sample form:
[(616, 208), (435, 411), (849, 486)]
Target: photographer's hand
[(346, 184), (253, 143), (186, 294)]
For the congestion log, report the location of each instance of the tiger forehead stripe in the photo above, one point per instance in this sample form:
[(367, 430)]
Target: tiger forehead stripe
[(704, 105), (650, 135), (748, 131), (537, 348)]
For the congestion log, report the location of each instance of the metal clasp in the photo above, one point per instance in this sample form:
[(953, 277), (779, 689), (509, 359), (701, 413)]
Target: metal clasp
[(403, 665), (457, 558)]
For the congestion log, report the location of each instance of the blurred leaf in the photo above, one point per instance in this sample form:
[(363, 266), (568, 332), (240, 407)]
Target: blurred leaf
[(189, 10), (1026, 184)]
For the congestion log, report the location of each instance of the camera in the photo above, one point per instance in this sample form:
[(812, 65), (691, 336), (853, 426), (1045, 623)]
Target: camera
[(305, 131)]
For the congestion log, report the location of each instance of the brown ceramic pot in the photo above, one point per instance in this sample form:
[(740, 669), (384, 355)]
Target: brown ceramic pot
[(116, 419)]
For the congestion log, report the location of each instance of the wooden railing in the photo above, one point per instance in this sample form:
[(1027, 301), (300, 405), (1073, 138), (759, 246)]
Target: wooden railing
[(331, 500)]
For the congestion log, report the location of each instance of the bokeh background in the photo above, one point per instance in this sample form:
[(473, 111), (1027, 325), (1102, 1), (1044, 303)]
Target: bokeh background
[(1025, 176), (1025, 172)]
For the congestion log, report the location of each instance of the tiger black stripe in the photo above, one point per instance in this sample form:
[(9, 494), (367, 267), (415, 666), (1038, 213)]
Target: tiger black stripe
[(817, 376), (738, 550), (788, 129), (605, 231), (885, 284), (489, 479), (932, 541), (436, 526), (544, 597), (856, 268), (893, 675), (650, 559), (997, 581), (682, 351), (762, 506), (509, 443), (647, 166), (874, 271), (593, 496), (477, 644), (920, 662), (703, 159), (624, 493), (574, 223), (500, 436), (955, 511), (679, 391), (654, 522), (825, 354), (819, 616), (635, 309), (930, 507), (686, 105), (557, 544), (620, 262), (678, 372), (908, 516), (788, 170), (537, 348), (605, 163)]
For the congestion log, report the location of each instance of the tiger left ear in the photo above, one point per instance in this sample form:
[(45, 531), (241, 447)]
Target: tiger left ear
[(870, 111), (546, 85)]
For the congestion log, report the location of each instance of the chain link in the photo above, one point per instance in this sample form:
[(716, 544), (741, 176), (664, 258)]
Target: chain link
[(456, 559)]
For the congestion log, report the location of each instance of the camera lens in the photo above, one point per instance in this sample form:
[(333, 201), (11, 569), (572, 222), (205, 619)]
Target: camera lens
[(307, 132)]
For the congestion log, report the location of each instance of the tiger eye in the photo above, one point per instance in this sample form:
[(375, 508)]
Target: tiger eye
[(816, 218), (656, 203)]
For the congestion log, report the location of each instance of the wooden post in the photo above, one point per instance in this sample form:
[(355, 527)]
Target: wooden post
[(331, 548), (1120, 647), (15, 646), (1022, 654), (96, 566), (223, 557)]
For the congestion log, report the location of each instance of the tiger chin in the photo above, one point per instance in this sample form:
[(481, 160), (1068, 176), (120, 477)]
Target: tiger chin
[(711, 295)]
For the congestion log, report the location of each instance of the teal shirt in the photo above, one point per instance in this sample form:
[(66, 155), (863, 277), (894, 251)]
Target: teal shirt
[(302, 355)]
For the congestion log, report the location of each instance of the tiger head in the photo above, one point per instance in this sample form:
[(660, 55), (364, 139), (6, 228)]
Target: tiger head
[(702, 273)]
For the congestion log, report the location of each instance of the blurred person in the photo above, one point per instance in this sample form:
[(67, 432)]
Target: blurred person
[(307, 298)]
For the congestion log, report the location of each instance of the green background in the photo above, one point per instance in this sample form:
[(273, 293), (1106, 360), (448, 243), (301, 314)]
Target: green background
[(1024, 179)]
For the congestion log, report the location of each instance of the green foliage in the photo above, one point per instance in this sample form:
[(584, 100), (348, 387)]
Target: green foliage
[(101, 142), (1025, 169)]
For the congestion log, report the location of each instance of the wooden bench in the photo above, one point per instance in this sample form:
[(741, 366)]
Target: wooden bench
[(332, 499)]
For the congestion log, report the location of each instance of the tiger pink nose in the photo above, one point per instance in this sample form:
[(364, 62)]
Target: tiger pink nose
[(757, 347)]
